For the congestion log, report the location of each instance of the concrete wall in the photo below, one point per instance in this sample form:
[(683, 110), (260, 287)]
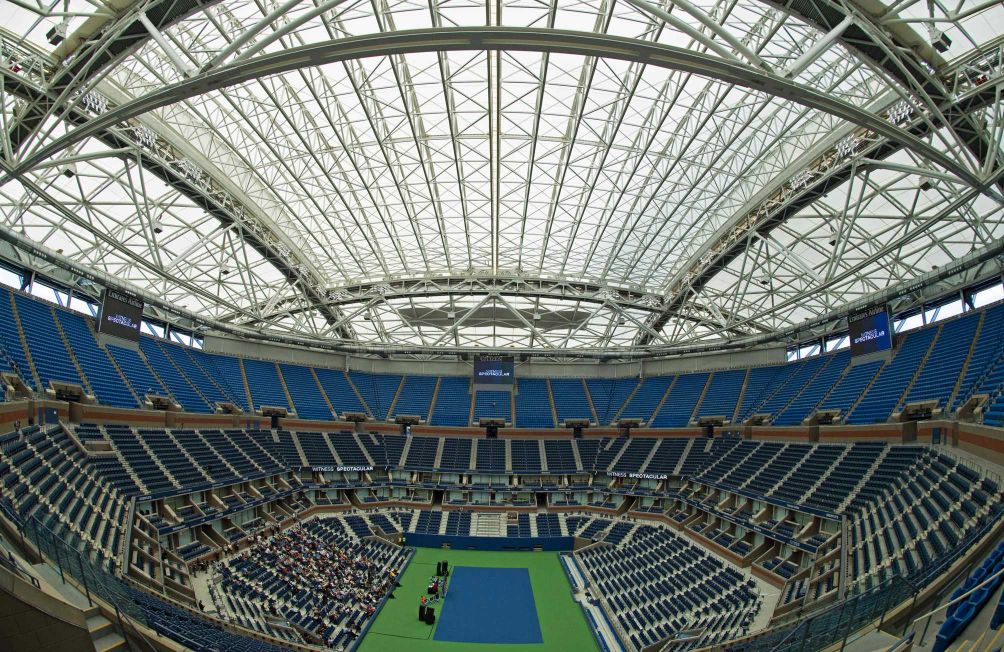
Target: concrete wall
[(538, 369), (13, 411), (894, 433), (32, 620), (782, 433), (26, 629), (983, 441)]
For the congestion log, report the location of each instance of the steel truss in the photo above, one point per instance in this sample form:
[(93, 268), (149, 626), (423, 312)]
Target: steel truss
[(351, 220)]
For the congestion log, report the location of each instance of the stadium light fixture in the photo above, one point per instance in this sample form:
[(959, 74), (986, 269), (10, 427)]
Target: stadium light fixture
[(846, 146), (57, 34), (940, 41)]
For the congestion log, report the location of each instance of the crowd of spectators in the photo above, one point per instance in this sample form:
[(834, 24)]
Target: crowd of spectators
[(327, 577)]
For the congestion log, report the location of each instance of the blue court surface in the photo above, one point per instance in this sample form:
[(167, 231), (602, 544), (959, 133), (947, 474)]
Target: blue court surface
[(489, 605)]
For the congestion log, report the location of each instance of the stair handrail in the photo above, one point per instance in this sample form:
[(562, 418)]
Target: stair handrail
[(986, 371), (970, 464), (930, 614), (33, 529)]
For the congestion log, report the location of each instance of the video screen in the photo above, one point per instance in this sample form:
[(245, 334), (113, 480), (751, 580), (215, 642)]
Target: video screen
[(870, 332), (121, 315), (494, 370)]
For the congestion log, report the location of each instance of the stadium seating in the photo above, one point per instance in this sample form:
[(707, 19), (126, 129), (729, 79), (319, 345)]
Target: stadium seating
[(103, 378), (559, 455), (667, 456), (661, 585), (908, 507), (525, 456), (924, 510), (846, 392), (634, 455), (609, 450), (187, 361), (10, 336), (994, 415), (961, 614), (422, 453), (137, 372), (416, 396), (646, 398), (50, 355), (609, 395), (802, 374), (952, 372), (262, 580), (492, 404), (340, 393), (453, 402), (456, 455), (263, 381), (348, 449), (179, 387), (980, 374), (316, 448), (936, 379), (226, 371), (191, 630), (377, 391), (570, 399), (883, 396), (533, 404), (308, 401), (761, 384), (491, 456), (45, 476), (805, 403), (722, 394), (681, 402)]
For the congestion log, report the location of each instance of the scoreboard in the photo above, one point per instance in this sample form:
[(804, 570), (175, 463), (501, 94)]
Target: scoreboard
[(121, 315), (494, 369), (870, 332)]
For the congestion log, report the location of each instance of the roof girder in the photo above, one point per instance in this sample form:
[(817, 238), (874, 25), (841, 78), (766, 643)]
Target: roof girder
[(214, 198), (788, 199)]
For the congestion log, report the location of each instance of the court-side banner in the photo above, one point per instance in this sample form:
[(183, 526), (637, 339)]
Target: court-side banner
[(639, 476)]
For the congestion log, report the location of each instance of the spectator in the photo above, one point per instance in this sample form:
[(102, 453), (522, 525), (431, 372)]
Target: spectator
[(348, 583)]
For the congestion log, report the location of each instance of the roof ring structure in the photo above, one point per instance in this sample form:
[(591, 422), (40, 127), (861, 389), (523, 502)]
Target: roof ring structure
[(563, 179)]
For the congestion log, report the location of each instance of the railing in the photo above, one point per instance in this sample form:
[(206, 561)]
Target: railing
[(968, 462), (929, 616), (979, 380), (11, 563), (980, 69), (88, 571), (840, 621)]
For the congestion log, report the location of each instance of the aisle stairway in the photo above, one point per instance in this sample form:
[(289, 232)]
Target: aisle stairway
[(489, 525)]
